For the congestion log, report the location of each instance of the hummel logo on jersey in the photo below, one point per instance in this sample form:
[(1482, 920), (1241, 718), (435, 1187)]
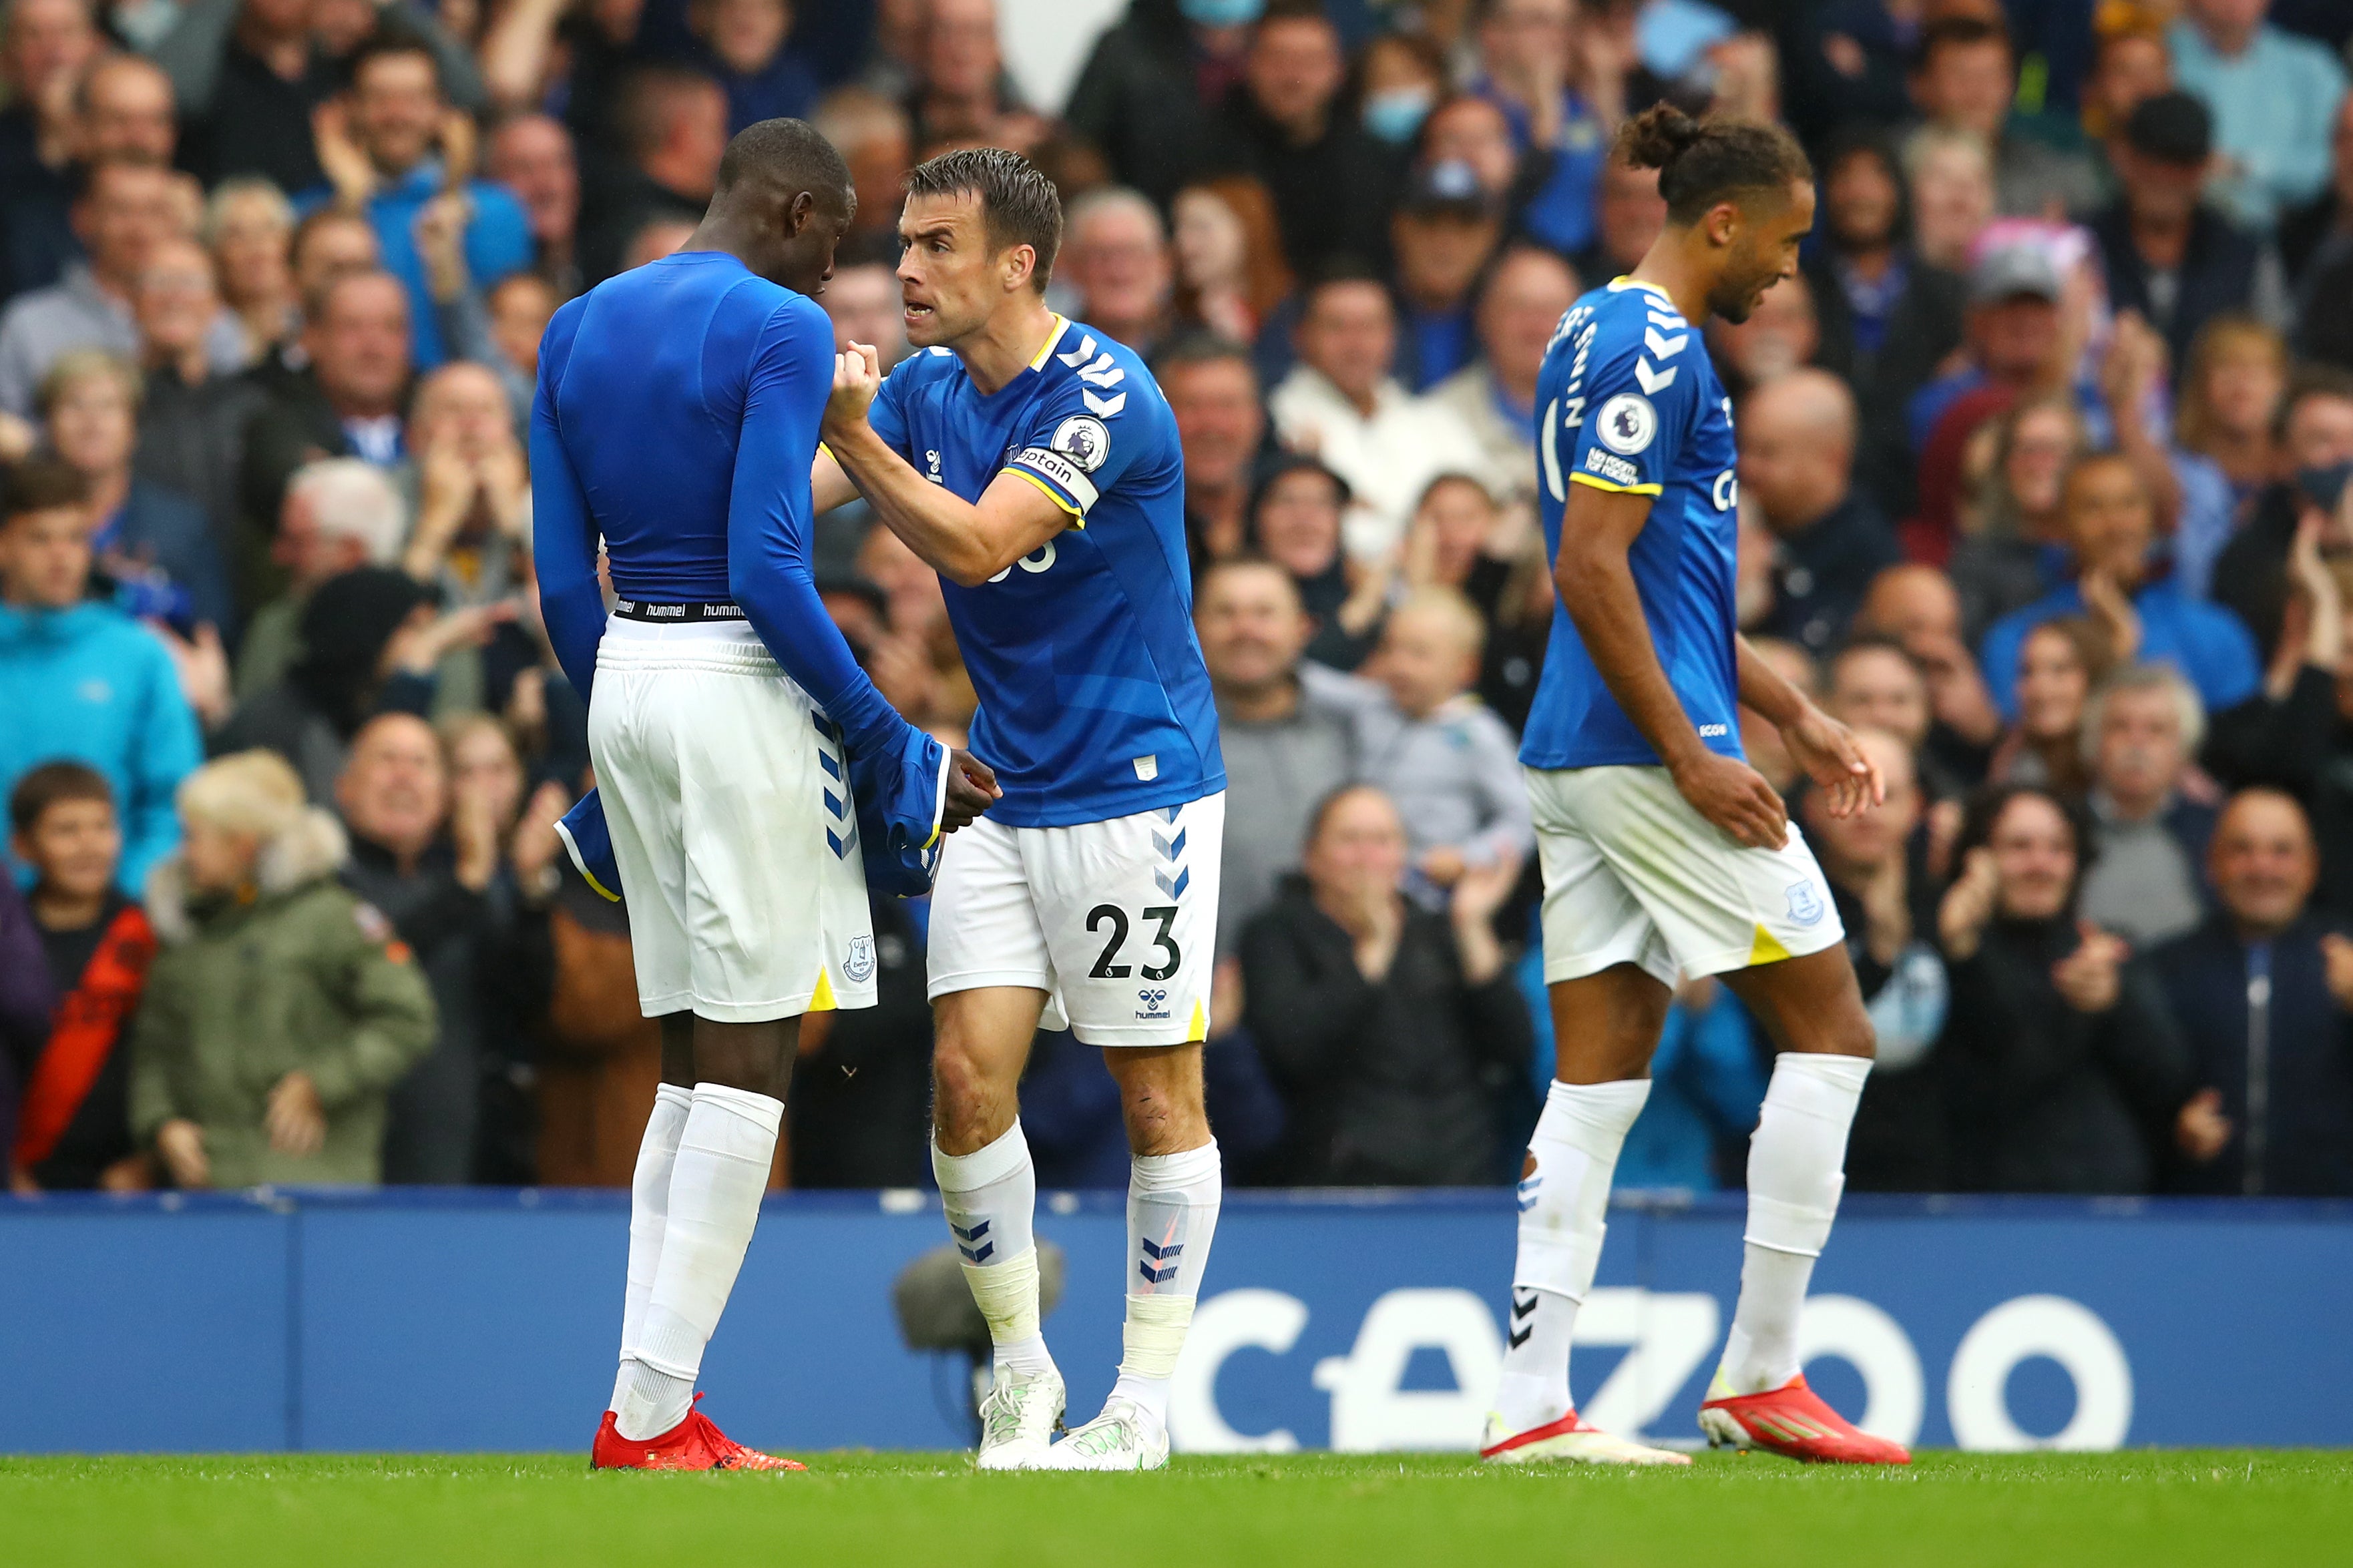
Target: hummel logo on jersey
[(1156, 1004), (1164, 1256)]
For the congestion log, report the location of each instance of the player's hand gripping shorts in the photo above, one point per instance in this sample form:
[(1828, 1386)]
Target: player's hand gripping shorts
[(1634, 874), (1115, 921), (747, 898)]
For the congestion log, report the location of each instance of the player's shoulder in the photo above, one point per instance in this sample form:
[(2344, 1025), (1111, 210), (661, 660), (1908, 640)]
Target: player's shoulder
[(1092, 367), (1638, 339)]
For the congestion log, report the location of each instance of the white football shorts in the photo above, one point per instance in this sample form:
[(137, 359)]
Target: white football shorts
[(1116, 922), (732, 825), (1634, 874)]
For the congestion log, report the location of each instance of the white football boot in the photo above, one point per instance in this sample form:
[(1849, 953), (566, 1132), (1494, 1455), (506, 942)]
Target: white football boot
[(1125, 1436), (1017, 1420), (1569, 1440)]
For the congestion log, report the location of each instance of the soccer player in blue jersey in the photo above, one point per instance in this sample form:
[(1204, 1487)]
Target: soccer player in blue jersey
[(1664, 853), (1033, 461), (676, 418)]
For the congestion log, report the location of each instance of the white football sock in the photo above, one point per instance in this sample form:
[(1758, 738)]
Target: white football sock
[(649, 1206), (1172, 1216), (1797, 1160), (1563, 1204), (990, 1196), (723, 1158)]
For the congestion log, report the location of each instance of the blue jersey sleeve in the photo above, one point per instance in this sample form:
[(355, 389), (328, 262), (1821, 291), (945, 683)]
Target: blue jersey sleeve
[(562, 530), (1081, 437), (768, 524), (1625, 420)]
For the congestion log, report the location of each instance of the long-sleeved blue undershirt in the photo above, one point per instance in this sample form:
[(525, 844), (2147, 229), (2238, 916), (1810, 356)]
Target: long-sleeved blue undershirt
[(676, 416)]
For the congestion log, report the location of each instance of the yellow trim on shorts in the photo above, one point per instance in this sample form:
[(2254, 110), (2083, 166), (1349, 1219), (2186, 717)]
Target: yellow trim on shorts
[(1765, 949), (821, 999), (1048, 491), (1584, 479), (1199, 1030)]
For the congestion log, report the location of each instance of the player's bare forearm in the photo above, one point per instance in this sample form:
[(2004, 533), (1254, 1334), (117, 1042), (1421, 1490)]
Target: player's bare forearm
[(965, 542), (1764, 689), (829, 487), (1597, 587)]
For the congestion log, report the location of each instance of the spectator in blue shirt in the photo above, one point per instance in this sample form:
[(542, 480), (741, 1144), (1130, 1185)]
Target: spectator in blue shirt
[(743, 48), (2109, 524), (1524, 52), (384, 152), (2273, 96), (81, 680)]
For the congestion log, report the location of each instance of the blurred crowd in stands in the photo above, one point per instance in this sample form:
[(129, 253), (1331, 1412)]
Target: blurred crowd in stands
[(2042, 487)]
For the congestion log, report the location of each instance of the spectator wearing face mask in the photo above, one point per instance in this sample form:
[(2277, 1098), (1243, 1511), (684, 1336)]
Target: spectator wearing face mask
[(2141, 728), (1151, 90), (2316, 434), (2263, 990), (2067, 1070)]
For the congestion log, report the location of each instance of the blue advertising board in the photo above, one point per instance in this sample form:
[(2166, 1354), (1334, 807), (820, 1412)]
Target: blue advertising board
[(485, 1320)]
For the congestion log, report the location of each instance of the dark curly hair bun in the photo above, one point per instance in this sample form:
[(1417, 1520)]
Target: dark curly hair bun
[(1702, 163)]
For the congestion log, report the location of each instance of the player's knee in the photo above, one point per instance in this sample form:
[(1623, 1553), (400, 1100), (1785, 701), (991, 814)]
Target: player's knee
[(1844, 1032)]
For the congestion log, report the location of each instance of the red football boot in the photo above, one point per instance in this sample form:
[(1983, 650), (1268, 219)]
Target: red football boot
[(1792, 1421), (694, 1444)]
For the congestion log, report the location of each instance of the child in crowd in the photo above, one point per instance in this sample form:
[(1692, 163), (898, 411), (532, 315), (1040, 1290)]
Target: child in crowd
[(1450, 765), (281, 1009), (74, 1128)]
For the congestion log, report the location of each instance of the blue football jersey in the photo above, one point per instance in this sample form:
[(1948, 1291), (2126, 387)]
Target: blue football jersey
[(1629, 403), (1094, 703)]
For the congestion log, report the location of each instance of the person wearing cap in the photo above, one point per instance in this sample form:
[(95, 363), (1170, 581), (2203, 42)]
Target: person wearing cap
[(2012, 338), (2273, 95), (2169, 255), (1443, 231)]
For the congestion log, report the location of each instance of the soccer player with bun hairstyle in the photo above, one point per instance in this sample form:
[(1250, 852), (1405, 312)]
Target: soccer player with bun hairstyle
[(1665, 855)]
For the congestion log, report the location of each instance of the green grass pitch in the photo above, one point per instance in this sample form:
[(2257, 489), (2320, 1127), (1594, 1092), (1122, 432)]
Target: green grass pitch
[(930, 1509)]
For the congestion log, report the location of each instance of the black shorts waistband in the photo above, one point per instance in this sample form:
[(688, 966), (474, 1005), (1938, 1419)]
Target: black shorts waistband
[(638, 610)]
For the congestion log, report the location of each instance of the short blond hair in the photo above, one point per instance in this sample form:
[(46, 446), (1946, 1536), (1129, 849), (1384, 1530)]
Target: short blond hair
[(256, 793), (1451, 607), (77, 366)]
